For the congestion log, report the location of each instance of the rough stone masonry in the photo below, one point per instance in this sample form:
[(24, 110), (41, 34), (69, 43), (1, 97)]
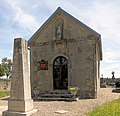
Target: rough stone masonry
[(20, 103)]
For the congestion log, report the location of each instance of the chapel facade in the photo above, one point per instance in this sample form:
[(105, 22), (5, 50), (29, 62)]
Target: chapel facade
[(64, 52)]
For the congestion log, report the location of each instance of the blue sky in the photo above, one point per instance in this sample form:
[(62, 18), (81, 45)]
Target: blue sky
[(21, 18)]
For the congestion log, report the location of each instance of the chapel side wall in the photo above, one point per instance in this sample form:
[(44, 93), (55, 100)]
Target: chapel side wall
[(83, 67), (86, 70), (44, 77), (98, 66), (82, 56), (41, 78)]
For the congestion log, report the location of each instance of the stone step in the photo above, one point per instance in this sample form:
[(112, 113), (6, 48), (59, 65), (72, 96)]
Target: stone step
[(57, 95), (59, 92), (56, 99), (116, 90)]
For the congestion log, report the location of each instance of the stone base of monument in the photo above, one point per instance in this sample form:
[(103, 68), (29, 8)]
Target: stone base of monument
[(20, 108), (13, 113), (21, 105)]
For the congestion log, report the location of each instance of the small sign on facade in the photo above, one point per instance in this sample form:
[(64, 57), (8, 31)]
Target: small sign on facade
[(43, 65)]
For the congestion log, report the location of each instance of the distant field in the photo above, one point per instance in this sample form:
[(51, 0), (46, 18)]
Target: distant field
[(4, 93), (108, 109)]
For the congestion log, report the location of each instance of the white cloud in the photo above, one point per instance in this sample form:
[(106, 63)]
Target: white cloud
[(111, 63), (105, 19), (26, 21), (111, 56)]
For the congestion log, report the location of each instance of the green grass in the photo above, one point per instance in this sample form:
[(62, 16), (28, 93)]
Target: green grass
[(4, 93), (108, 109)]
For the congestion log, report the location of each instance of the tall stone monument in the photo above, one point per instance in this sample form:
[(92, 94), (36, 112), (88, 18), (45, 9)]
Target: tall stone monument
[(20, 103)]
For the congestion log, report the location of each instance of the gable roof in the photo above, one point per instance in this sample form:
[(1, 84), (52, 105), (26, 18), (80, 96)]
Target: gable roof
[(58, 11)]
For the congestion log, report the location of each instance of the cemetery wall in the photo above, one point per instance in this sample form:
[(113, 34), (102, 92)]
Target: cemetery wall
[(5, 84)]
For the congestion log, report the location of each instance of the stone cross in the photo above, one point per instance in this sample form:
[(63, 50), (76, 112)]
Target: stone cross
[(20, 102)]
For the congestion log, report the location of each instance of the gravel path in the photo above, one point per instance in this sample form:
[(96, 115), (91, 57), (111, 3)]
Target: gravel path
[(79, 108)]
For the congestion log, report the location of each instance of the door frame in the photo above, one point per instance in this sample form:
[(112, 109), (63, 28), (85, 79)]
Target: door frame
[(60, 62)]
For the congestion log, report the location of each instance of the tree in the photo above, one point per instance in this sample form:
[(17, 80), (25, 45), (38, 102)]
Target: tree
[(2, 71), (7, 64)]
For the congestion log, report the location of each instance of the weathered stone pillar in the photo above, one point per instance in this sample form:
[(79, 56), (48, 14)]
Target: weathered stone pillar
[(20, 103)]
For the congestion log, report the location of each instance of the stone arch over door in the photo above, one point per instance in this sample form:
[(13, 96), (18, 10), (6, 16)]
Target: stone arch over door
[(60, 73)]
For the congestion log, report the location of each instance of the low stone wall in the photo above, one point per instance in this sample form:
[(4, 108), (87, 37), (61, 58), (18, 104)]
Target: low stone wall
[(5, 84)]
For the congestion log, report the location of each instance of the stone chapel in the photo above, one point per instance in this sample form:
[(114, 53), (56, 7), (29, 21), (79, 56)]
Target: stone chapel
[(64, 52)]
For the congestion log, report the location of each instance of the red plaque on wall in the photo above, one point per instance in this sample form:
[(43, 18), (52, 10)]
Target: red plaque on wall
[(43, 65)]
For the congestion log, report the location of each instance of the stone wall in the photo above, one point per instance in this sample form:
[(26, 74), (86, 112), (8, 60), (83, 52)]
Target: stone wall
[(77, 45), (5, 84)]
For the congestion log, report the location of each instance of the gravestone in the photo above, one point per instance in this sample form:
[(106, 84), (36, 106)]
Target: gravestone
[(20, 103)]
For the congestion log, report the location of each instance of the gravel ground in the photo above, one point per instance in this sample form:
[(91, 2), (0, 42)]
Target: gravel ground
[(79, 108)]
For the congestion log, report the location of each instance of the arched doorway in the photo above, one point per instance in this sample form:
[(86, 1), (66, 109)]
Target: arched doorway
[(60, 73)]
